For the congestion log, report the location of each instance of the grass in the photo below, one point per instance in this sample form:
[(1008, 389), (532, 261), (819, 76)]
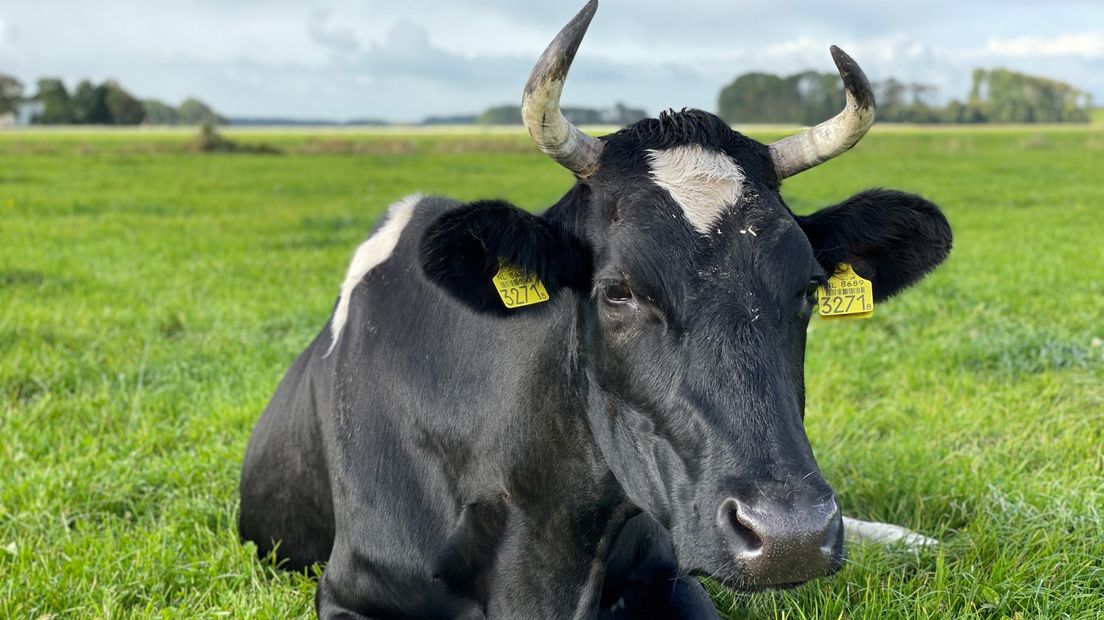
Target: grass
[(151, 298)]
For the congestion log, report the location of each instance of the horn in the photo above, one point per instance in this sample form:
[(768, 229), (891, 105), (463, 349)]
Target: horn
[(817, 145), (540, 106)]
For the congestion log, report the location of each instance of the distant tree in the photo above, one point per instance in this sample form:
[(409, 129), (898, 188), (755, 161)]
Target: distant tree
[(11, 93), (1009, 97), (624, 115), (56, 104), (195, 112), (110, 103), (160, 113), (582, 116), (899, 102), (760, 98), (819, 95), (88, 106), (891, 97), (922, 94), (123, 108), (458, 119), (619, 114), (501, 115), (978, 90), (957, 112), (807, 97), (998, 95)]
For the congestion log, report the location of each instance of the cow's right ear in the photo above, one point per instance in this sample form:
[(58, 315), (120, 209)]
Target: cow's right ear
[(461, 251)]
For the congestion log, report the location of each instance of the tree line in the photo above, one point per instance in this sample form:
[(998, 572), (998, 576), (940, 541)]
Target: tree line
[(619, 114), (107, 103), (996, 96), (808, 97)]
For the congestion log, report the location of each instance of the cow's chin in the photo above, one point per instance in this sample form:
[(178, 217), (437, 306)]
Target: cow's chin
[(734, 577)]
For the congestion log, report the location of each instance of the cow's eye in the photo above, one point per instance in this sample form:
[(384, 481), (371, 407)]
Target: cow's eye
[(617, 293), (811, 291)]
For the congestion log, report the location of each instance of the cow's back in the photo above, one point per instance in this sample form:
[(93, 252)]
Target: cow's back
[(286, 498), (285, 493)]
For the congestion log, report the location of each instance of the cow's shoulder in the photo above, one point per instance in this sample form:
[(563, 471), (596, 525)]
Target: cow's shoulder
[(403, 222)]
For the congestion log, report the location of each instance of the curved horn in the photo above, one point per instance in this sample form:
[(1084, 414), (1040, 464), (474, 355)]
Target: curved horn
[(540, 106), (817, 145)]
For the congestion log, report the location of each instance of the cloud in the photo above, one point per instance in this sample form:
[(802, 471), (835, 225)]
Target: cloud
[(1084, 45), (894, 55), (408, 52), (404, 60), (337, 39)]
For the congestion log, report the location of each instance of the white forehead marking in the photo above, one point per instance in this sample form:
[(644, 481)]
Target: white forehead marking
[(372, 252), (703, 182)]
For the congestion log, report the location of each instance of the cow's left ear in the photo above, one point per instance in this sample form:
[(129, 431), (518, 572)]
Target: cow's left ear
[(461, 250), (891, 238)]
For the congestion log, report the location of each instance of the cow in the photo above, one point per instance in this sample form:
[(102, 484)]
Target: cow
[(450, 453)]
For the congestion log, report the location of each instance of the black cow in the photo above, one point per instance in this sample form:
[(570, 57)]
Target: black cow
[(450, 457)]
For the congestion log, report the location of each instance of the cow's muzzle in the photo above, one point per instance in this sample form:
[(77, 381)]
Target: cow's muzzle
[(779, 540)]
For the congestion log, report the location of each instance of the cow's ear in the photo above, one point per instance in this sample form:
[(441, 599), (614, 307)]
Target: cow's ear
[(462, 249), (891, 238)]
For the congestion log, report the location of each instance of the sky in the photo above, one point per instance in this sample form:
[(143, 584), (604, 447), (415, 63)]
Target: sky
[(405, 60)]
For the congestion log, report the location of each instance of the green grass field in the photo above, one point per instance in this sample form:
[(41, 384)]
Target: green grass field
[(151, 298)]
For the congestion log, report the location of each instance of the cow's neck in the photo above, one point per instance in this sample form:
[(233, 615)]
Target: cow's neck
[(565, 506)]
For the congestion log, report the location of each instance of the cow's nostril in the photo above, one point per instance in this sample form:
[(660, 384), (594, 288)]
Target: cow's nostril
[(741, 528), (779, 543)]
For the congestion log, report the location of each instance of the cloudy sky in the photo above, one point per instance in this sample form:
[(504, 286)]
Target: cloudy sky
[(403, 60)]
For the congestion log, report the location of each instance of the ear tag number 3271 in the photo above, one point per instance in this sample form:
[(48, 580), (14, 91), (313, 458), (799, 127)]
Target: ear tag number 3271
[(847, 296), (518, 287)]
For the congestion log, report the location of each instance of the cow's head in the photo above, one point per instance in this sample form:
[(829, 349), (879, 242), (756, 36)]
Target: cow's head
[(694, 285)]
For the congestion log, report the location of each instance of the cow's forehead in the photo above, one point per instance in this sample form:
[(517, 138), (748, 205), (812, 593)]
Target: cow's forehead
[(702, 181), (717, 194), (718, 223)]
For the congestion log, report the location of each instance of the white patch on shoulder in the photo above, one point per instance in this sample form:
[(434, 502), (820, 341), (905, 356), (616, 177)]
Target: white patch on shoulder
[(703, 182), (884, 533), (372, 252)]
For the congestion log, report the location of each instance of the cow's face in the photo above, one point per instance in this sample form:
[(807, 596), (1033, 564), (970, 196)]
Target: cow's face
[(694, 337), (693, 286), (693, 333)]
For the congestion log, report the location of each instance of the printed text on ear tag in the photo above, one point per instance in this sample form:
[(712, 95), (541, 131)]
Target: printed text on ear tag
[(518, 287), (847, 295)]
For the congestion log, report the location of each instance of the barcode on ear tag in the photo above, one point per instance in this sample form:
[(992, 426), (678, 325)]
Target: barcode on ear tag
[(847, 295), (518, 287)]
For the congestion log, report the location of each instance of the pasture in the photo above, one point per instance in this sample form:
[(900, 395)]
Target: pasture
[(151, 297)]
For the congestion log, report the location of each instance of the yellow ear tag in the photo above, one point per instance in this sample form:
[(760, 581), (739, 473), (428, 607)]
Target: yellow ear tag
[(847, 296), (518, 287)]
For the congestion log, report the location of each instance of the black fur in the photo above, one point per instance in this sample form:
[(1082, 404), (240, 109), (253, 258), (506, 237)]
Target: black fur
[(643, 580), (464, 563), (891, 238), (461, 250), (625, 151)]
